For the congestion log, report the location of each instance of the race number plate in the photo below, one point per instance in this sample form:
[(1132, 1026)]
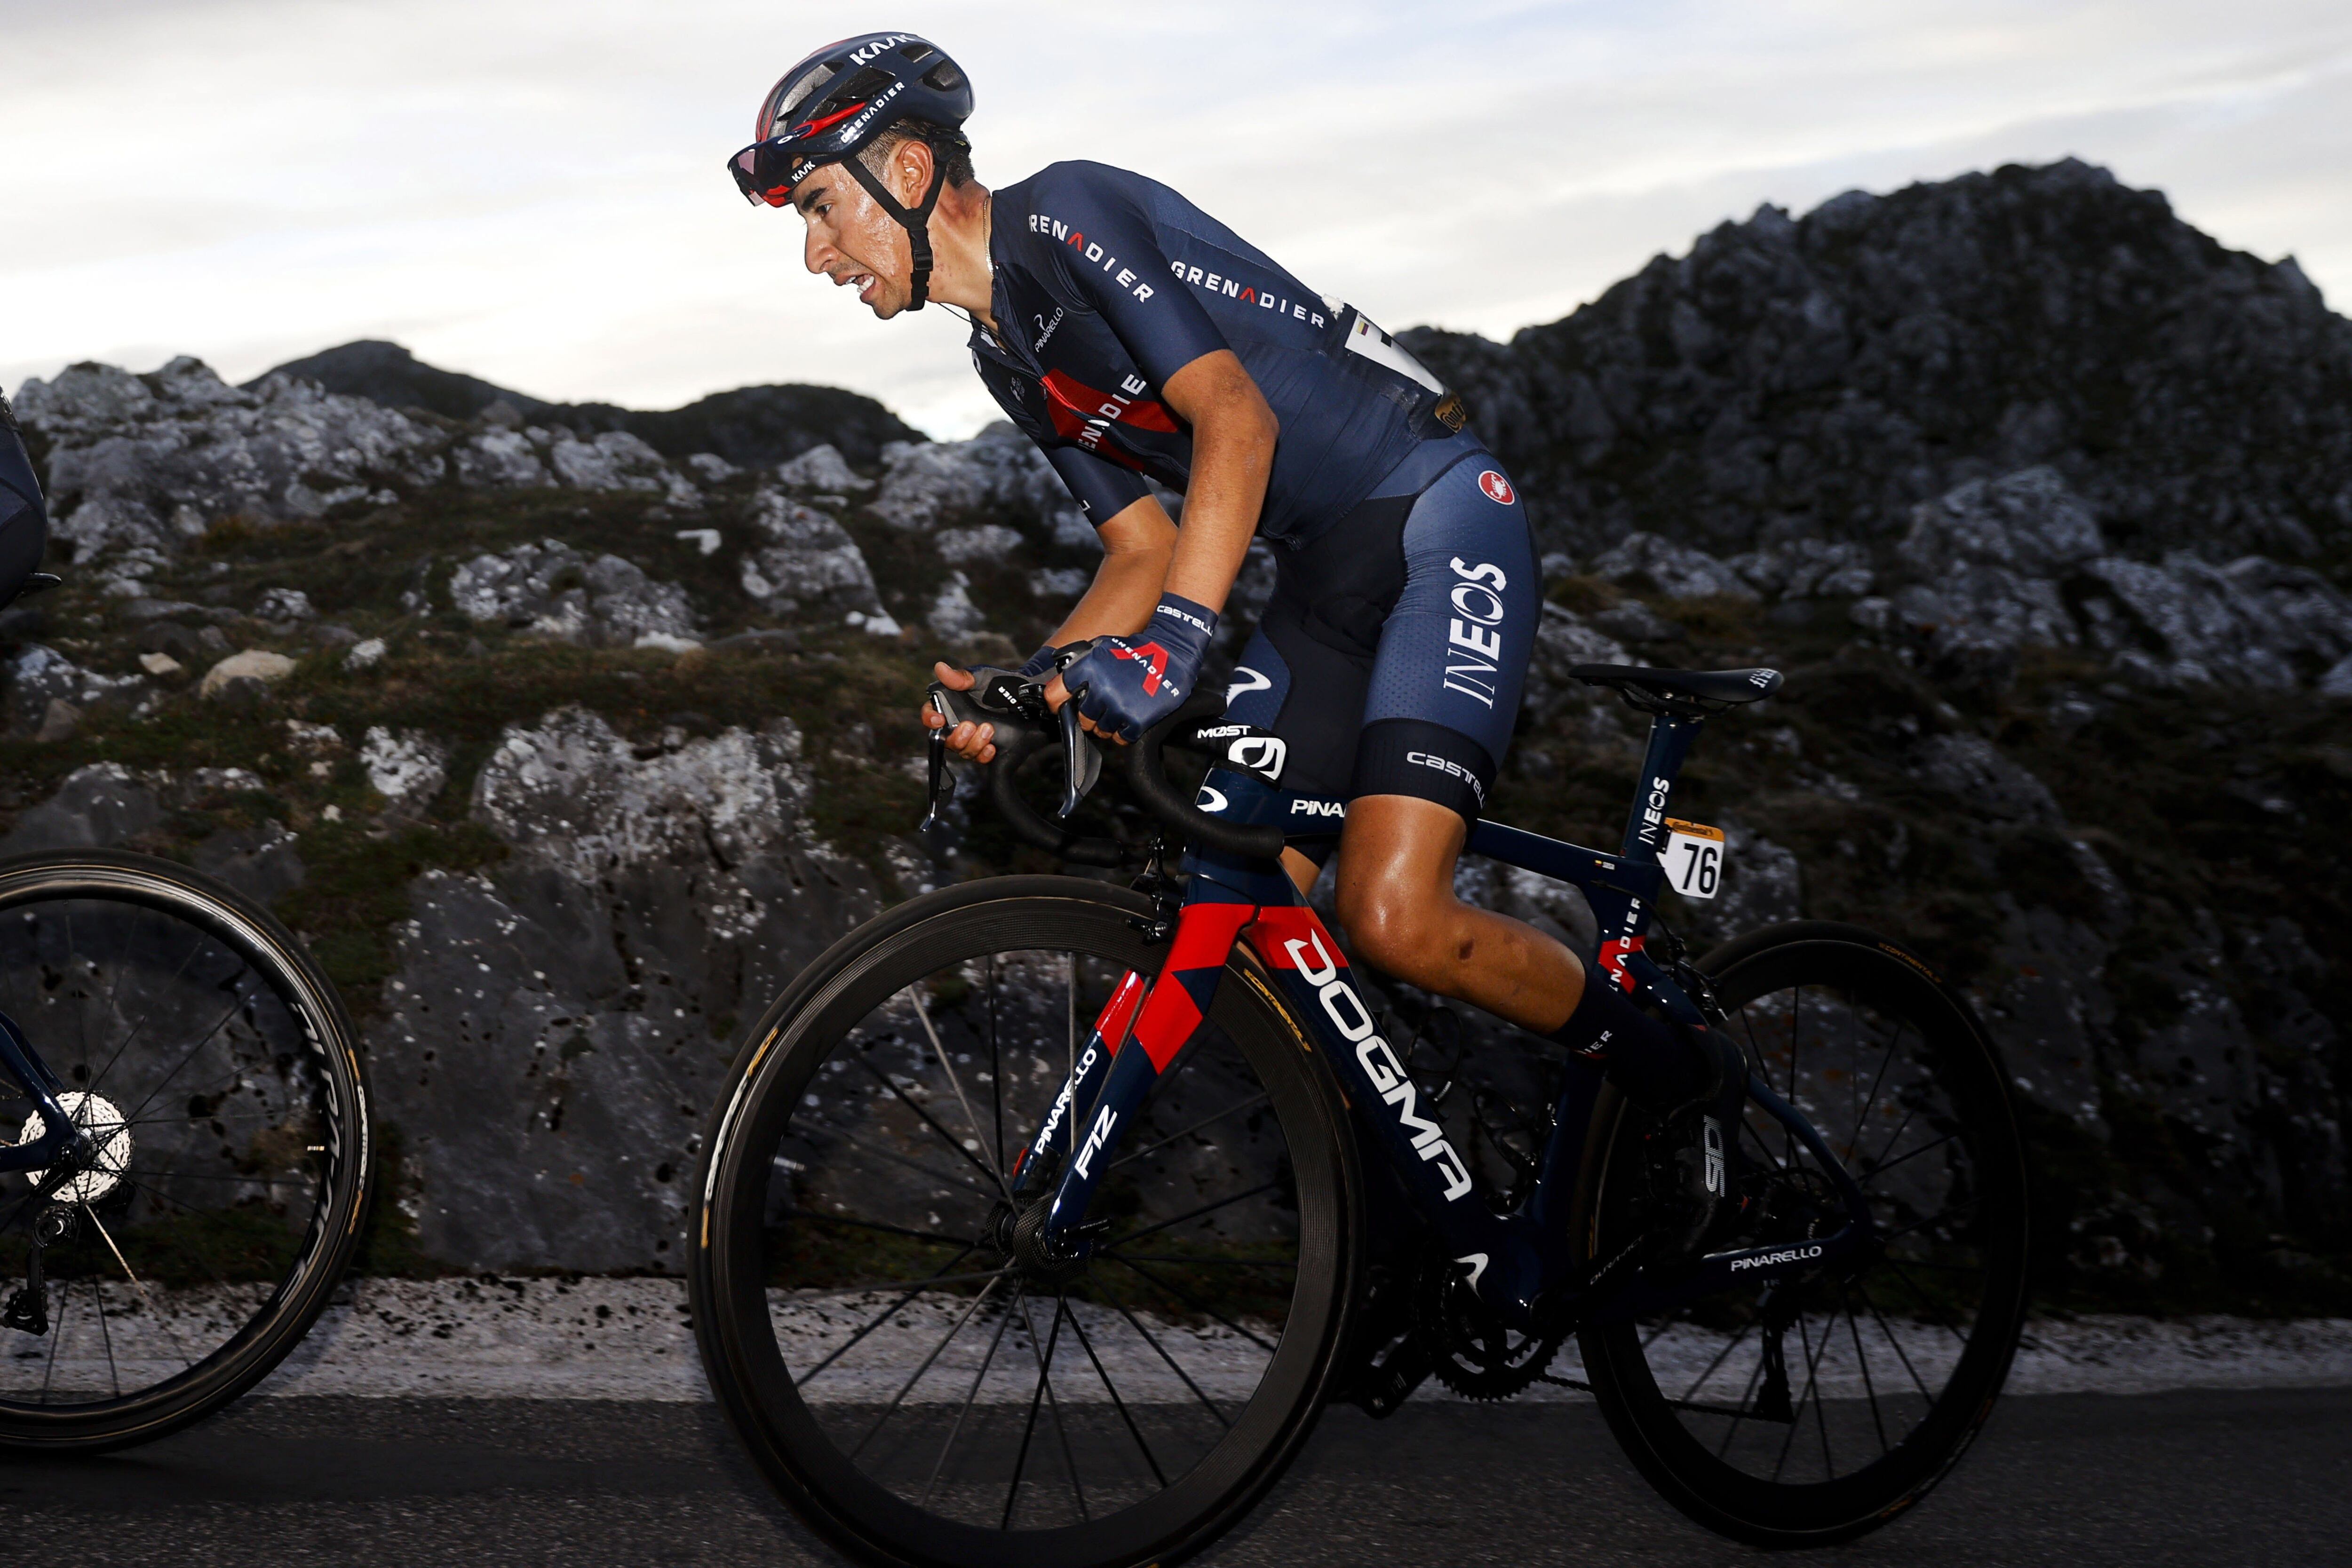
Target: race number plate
[(1693, 858)]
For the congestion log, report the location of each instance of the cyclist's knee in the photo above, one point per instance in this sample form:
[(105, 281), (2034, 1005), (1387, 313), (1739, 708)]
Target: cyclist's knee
[(1397, 928)]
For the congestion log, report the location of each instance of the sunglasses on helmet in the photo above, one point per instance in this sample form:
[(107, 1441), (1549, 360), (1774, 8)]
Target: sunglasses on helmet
[(765, 172)]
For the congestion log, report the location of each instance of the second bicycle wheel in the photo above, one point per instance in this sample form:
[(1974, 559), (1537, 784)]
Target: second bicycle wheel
[(211, 1064), (916, 1394), (1814, 1407)]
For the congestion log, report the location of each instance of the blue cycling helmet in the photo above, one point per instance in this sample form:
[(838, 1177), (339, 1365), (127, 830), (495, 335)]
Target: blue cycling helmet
[(831, 105)]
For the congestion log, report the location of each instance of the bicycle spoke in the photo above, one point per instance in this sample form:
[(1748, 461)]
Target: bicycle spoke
[(1961, 1207), (917, 1376), (891, 1311), (1194, 1213), (909, 1162), (1929, 1301), (1211, 1262), (1862, 1120), (106, 1336), (979, 1133), (819, 1292), (1882, 1170), (1054, 1404), (1249, 1104), (1862, 1360), (995, 1065), (1196, 1304), (820, 1217), (971, 1396), (1721, 1356), (1746, 1404), (1900, 1128), (1820, 1406), (1900, 1353), (172, 984), (140, 1286), (1183, 1377), (1078, 1326), (945, 1136), (218, 1024), (1028, 1430)]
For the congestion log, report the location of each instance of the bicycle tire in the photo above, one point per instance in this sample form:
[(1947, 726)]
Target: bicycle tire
[(764, 1234), (1942, 1297), (213, 1230)]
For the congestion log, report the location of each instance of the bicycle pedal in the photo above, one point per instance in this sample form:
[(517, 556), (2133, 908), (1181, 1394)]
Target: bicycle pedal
[(28, 1311)]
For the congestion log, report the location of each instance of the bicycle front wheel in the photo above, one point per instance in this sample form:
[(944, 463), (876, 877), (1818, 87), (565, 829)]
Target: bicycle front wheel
[(1820, 1404), (213, 1067), (910, 1388)]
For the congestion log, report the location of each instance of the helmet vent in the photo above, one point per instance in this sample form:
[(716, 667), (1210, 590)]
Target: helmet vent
[(799, 93), (864, 84), (917, 52), (943, 77)]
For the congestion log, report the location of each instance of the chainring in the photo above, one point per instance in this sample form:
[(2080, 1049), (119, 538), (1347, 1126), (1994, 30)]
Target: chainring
[(1477, 1355)]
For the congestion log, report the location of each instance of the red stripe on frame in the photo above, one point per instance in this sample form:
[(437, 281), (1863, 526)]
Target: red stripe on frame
[(1204, 935)]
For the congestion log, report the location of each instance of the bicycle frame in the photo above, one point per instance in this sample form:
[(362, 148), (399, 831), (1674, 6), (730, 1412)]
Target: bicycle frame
[(1515, 1261)]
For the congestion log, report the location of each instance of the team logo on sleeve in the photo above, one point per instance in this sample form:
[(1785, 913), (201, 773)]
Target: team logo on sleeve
[(1498, 489)]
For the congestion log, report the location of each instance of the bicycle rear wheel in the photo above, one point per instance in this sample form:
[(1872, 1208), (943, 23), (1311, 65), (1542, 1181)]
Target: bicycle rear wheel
[(914, 1391), (1815, 1407), (214, 1065)]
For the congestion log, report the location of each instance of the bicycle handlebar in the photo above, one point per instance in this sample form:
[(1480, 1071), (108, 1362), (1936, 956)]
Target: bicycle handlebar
[(1025, 727)]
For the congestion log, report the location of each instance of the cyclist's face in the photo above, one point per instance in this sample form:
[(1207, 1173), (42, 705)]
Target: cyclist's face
[(854, 242)]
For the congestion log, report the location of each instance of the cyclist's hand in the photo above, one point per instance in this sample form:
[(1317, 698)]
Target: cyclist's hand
[(976, 742), (1128, 684)]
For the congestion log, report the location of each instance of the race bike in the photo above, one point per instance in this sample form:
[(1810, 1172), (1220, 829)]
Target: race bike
[(1042, 1216)]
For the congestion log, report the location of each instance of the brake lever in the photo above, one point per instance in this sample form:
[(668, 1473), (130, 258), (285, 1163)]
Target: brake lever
[(1081, 764), (938, 768)]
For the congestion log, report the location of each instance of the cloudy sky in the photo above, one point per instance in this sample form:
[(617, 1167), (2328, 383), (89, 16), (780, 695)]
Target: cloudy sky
[(533, 192)]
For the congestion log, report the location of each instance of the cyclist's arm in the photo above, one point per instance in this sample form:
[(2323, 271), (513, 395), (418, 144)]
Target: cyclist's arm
[(1234, 433), (1138, 545), (1144, 553)]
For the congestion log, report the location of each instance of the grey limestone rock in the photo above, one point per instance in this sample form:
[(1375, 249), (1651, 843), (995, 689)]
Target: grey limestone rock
[(617, 460), (1678, 570), (823, 467), (808, 563), (555, 1033), (551, 590), (1000, 471), (41, 675), (94, 806), (153, 461)]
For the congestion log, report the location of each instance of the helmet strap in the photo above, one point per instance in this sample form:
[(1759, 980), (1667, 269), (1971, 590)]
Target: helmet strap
[(916, 222)]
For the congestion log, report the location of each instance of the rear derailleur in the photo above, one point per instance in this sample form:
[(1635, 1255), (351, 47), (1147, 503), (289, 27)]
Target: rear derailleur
[(27, 1310)]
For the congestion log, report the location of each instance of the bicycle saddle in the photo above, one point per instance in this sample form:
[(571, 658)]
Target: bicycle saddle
[(1679, 691)]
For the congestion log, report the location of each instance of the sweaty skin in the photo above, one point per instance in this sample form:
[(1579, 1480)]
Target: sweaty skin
[(1397, 854)]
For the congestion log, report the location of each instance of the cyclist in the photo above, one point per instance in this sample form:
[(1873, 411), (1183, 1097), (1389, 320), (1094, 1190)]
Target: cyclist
[(1131, 336), (24, 517)]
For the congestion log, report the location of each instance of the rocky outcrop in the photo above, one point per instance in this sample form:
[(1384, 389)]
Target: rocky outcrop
[(143, 464), (807, 562), (556, 1030), (1818, 377), (550, 590), (753, 426)]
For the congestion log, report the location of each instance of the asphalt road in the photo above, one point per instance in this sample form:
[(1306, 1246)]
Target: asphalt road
[(2172, 1479)]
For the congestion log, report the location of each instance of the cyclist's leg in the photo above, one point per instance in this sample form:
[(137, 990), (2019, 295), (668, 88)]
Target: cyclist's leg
[(1303, 685), (1452, 652), (1438, 717)]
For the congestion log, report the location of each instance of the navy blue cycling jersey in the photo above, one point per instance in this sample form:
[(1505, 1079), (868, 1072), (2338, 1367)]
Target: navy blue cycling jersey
[(1108, 284)]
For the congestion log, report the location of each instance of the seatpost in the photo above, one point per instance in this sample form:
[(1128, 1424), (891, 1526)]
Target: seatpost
[(1671, 736)]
